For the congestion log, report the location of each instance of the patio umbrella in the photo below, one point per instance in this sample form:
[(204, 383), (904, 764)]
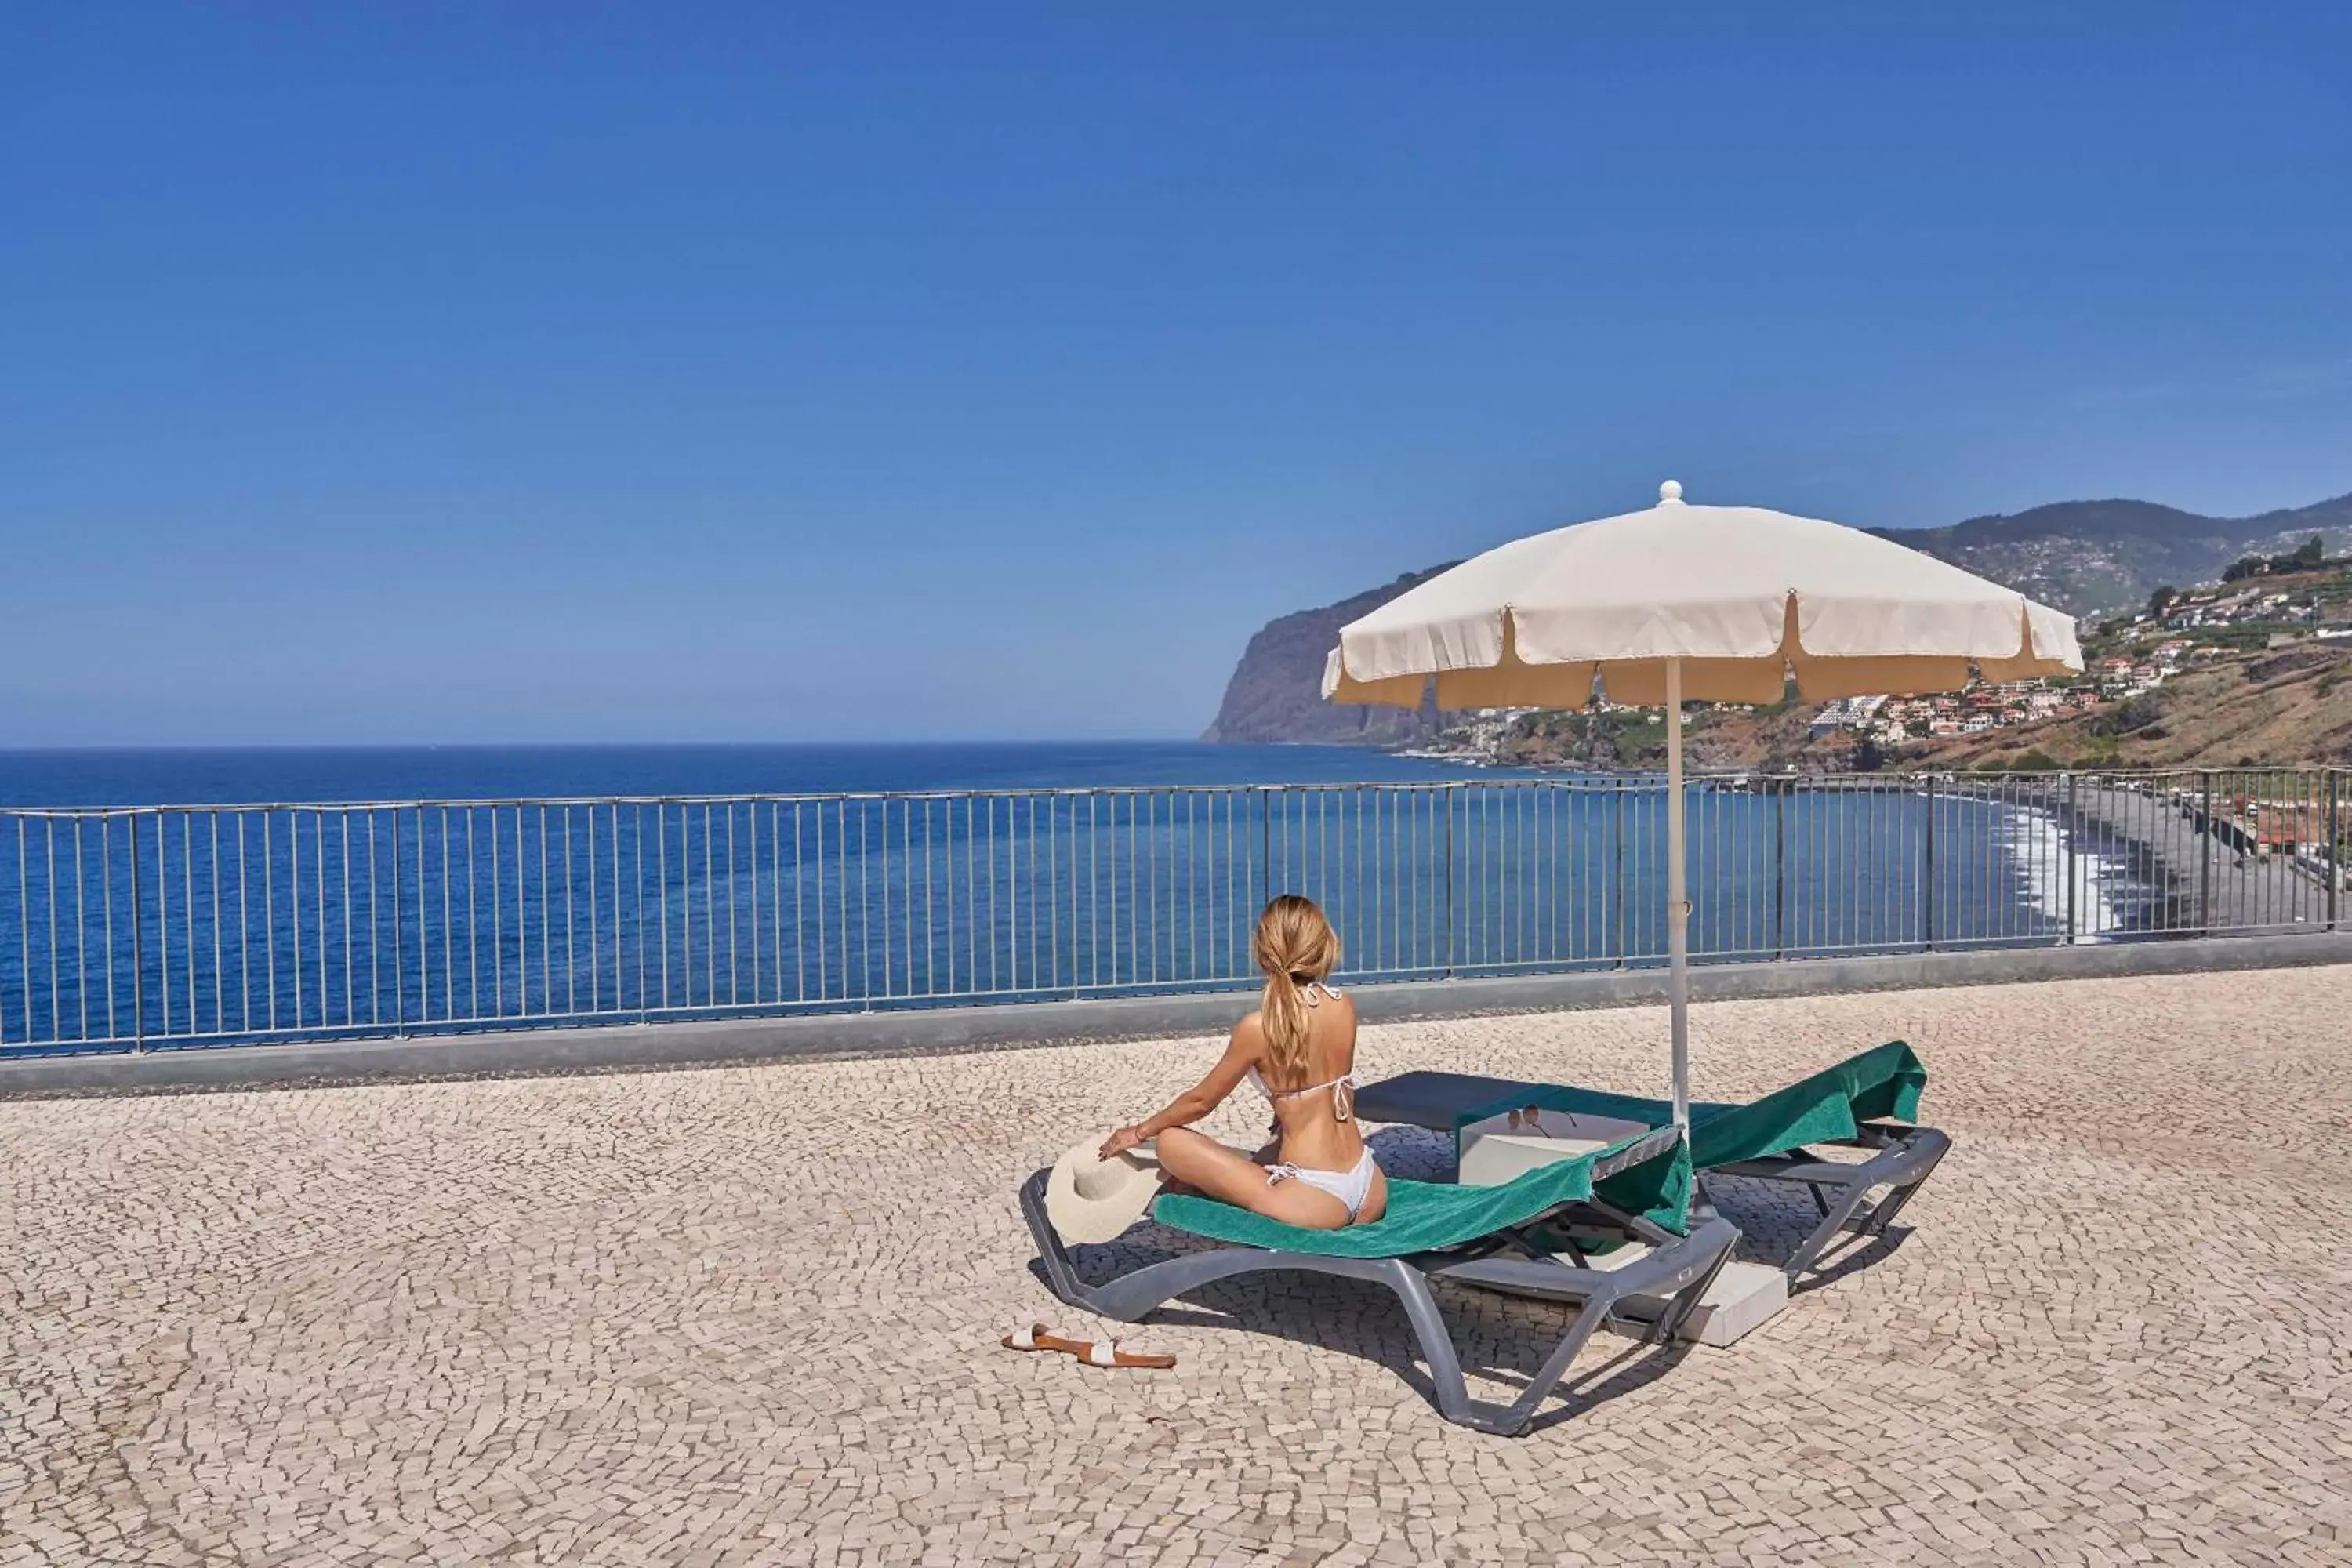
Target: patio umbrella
[(1684, 603)]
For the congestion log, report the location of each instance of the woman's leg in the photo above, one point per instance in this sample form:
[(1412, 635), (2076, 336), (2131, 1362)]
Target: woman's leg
[(1203, 1164)]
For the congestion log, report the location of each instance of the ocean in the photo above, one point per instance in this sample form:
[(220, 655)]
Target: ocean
[(260, 775)]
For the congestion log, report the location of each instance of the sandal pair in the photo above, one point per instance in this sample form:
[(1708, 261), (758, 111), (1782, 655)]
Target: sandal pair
[(1088, 1353)]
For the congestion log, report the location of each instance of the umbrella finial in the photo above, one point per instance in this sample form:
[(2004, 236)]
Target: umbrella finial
[(1671, 493)]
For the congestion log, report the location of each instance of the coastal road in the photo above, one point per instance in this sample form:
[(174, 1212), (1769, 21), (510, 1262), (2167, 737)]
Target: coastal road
[(2215, 885)]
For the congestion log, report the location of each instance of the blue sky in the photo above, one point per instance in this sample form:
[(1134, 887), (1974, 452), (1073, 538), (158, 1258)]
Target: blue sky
[(453, 372)]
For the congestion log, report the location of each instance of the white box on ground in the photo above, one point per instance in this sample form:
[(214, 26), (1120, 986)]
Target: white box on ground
[(1503, 1147), (1742, 1298)]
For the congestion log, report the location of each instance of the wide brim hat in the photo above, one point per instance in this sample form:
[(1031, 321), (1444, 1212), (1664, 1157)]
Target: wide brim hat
[(1092, 1200)]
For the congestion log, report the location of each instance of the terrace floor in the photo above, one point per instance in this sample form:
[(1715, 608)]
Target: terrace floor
[(750, 1315)]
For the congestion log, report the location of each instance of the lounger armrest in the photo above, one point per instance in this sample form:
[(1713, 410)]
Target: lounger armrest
[(1897, 1160), (1662, 1271), (1656, 1144)]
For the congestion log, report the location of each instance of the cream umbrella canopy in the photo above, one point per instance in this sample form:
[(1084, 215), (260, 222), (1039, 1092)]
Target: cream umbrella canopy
[(1684, 603)]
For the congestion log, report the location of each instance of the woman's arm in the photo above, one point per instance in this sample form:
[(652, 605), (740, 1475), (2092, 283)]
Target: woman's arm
[(1240, 1055)]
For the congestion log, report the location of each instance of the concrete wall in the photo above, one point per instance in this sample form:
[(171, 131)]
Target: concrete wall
[(975, 1028)]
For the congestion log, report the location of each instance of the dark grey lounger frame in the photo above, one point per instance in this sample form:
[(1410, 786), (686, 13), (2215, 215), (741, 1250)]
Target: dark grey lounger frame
[(1678, 1269), (1902, 1158)]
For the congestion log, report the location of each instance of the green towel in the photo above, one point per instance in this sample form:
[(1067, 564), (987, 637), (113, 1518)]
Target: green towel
[(1884, 1082), (1425, 1217)]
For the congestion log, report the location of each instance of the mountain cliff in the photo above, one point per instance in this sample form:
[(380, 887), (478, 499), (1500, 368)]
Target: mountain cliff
[(2081, 556), (1276, 691)]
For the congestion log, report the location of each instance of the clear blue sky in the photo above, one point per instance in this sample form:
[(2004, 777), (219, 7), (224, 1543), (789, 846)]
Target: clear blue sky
[(439, 373)]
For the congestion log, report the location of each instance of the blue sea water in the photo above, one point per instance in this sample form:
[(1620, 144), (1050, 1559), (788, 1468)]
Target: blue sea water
[(255, 775)]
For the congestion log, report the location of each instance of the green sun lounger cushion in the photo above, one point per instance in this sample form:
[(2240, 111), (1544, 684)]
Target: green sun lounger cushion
[(1427, 1217), (1882, 1082)]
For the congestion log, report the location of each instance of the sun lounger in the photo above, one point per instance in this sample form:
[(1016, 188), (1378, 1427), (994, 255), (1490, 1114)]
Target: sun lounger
[(1495, 1236), (1851, 1105)]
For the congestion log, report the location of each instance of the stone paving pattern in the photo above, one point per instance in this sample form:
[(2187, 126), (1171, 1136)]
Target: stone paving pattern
[(750, 1315)]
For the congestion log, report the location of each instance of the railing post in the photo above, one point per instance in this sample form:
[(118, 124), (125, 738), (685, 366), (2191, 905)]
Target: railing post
[(1266, 845), (2205, 859), (1927, 874), (1450, 877), (1623, 940), (399, 938), (2334, 855), (1781, 788), (138, 952), (2074, 827)]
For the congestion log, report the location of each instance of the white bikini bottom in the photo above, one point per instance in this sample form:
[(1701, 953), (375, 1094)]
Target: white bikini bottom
[(1350, 1186)]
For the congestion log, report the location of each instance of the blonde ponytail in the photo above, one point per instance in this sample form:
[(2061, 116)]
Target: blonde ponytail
[(1296, 947)]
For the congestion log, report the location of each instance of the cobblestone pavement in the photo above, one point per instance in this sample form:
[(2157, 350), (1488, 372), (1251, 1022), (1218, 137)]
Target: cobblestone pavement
[(750, 1315)]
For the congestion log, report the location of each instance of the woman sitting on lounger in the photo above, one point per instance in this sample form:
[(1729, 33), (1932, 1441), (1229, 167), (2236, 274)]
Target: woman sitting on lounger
[(1299, 1050)]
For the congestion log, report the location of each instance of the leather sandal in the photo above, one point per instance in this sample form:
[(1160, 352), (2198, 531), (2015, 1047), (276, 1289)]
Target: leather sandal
[(1086, 1353), (1106, 1352)]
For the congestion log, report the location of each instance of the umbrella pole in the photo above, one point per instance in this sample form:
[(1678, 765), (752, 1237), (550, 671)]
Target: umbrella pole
[(1678, 899)]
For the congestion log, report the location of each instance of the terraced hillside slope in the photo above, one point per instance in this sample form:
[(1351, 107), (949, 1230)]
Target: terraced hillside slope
[(2273, 707)]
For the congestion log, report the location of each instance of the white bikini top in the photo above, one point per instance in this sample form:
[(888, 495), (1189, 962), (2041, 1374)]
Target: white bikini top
[(1343, 1088)]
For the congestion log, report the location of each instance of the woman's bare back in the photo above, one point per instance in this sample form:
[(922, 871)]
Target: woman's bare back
[(1312, 1133)]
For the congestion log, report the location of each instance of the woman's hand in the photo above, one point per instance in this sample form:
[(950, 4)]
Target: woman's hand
[(1193, 1103)]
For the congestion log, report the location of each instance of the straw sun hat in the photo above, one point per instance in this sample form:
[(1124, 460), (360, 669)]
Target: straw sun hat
[(1091, 1200)]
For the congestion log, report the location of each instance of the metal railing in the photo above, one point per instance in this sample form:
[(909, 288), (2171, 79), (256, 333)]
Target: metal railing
[(151, 926)]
